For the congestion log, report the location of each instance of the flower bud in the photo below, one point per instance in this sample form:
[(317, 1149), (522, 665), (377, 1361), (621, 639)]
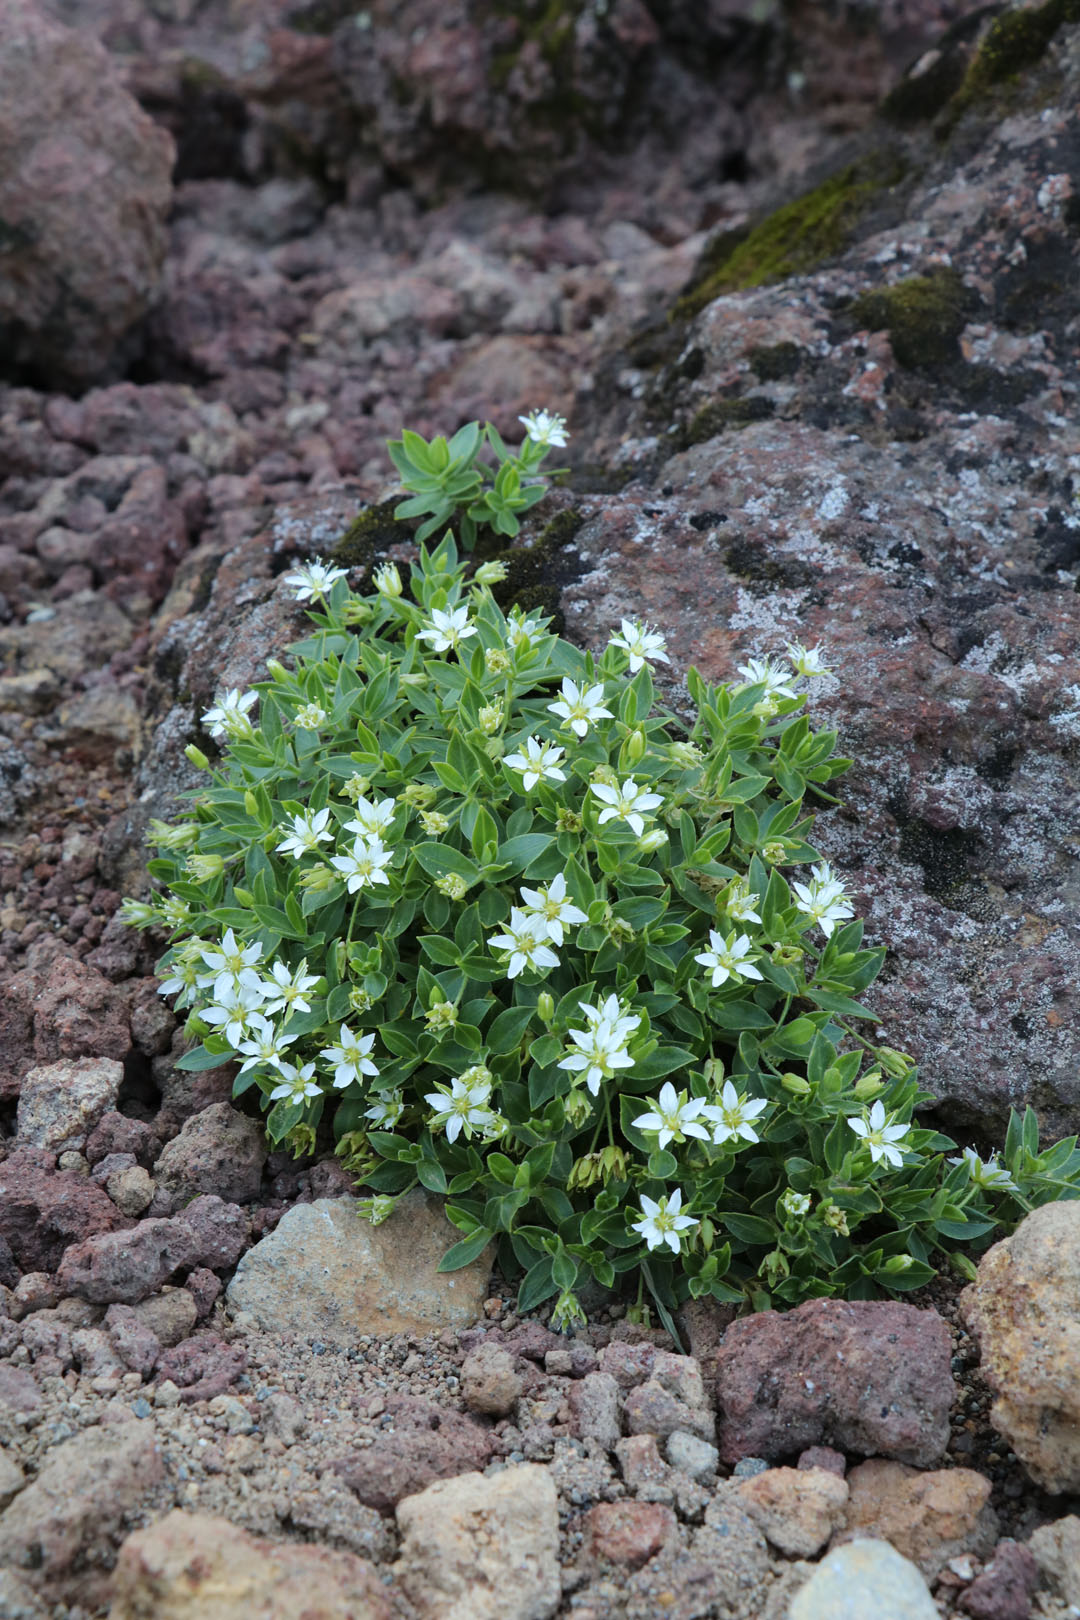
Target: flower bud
[(545, 1007), (635, 745), (568, 821), (707, 1233), (795, 1083), (497, 662), (577, 1106), (359, 1000), (441, 1014), (613, 1164), (178, 837), (341, 958), (356, 787), (434, 822), (714, 1072), (251, 804), (491, 573), (197, 757), (686, 754), (835, 1218), (898, 1263), (137, 914), (318, 879), (491, 718), (387, 580), (453, 885), (277, 670), (774, 852), (788, 956), (421, 795), (205, 868), (377, 1209), (775, 1267), (567, 1313), (584, 1172), (868, 1085), (653, 840), (964, 1264), (244, 897), (896, 1064)]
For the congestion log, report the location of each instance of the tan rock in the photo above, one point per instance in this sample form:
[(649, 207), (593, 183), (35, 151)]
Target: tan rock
[(489, 1382), (326, 1272), (60, 1103), (194, 1566), (1056, 1550), (628, 1533), (482, 1547), (11, 1479), (1024, 1309), (928, 1517), (797, 1509)]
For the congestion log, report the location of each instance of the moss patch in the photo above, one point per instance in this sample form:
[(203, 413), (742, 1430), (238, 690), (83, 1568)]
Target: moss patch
[(923, 316), (370, 534), (1014, 41), (799, 236), (721, 414), (774, 361), (537, 574)]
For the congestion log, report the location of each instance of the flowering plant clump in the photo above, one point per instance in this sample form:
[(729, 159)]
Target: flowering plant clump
[(449, 481), (467, 893)]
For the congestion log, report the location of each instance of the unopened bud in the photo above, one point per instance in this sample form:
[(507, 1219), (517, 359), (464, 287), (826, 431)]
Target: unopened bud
[(653, 840), (387, 580), (277, 670), (714, 1072), (251, 803), (635, 746), (453, 885), (868, 1085), (774, 852), (795, 1083), (896, 1064), (491, 573), (197, 757), (577, 1106), (898, 1263), (545, 1006)]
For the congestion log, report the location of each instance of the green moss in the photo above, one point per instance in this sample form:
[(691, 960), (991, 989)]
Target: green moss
[(774, 361), (1014, 41), (920, 97), (370, 534), (551, 28), (802, 234), (721, 414), (923, 316), (536, 574)]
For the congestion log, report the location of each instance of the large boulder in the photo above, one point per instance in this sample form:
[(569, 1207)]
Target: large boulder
[(85, 185)]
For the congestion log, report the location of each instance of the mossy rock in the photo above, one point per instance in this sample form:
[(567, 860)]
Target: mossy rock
[(370, 534), (536, 574), (1015, 41), (795, 238), (773, 362), (923, 316), (721, 414)]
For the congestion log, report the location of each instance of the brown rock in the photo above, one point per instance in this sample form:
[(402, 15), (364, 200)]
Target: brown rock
[(865, 1376), (43, 1210), (796, 1509), (127, 1266), (78, 1013), (928, 1517), (628, 1533), (202, 1367), (1005, 1588), (489, 1383), (423, 1443), (594, 1407), (1023, 1309), (193, 1566), (75, 279), (1056, 1550), (218, 1151)]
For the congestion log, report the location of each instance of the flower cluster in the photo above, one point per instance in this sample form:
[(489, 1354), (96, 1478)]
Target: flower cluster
[(472, 896)]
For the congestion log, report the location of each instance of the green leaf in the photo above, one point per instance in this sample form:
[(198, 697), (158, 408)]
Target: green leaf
[(520, 853), (664, 1060), (442, 951), (199, 1059), (507, 1028), (468, 1250), (746, 1228), (537, 1285), (441, 860)]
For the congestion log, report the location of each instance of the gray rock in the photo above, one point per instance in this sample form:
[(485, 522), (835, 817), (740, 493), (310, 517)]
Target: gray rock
[(692, 1455), (218, 1151), (325, 1272), (863, 1578), (60, 1103), (11, 1479)]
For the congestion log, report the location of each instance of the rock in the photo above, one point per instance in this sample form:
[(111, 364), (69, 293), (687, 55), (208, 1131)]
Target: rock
[(641, 1464), (422, 1443), (823, 1457), (11, 1479), (170, 1315), (95, 1354), (594, 1408), (60, 1103), (489, 1383), (220, 1231), (85, 1487), (19, 1390), (193, 1566), (651, 1408), (204, 1288), (692, 1455), (628, 1533), (1022, 1309), (929, 1517), (866, 1577), (125, 1267), (796, 1509), (77, 1012), (116, 1133), (325, 1272), (628, 1364), (137, 1346), (1056, 1550), (218, 1151), (866, 1376), (19, 1601), (1005, 1588), (43, 1210), (201, 1367), (75, 280), (34, 1291), (284, 1418), (131, 1189), (482, 1547)]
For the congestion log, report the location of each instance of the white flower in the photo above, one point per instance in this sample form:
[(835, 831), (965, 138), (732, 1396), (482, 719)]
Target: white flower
[(309, 830), (539, 759), (626, 801), (521, 630), (349, 1058), (229, 716), (611, 1012), (371, 819), (545, 427), (986, 1173), (807, 661), (579, 706), (672, 1117), (462, 1106), (447, 628), (740, 900), (264, 1045), (552, 905), (599, 1050), (313, 579), (387, 580), (823, 899), (726, 959), (661, 1222), (182, 981), (310, 716), (762, 671), (232, 966), (878, 1136), (733, 1115), (363, 866), (385, 1111), (640, 643), (233, 1012), (525, 939), (795, 1203), (286, 991), (297, 1085)]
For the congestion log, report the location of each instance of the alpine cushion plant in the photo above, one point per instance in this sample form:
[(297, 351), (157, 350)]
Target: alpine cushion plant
[(467, 894)]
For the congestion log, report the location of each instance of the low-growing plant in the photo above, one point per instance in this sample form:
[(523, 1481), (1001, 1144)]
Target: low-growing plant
[(526, 939)]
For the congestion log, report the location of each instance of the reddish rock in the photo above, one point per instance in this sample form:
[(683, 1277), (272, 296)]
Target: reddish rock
[(628, 1533), (202, 1367), (866, 1376), (78, 1013), (217, 1151), (43, 1210), (220, 1231), (75, 278), (628, 1364), (127, 1266), (135, 1343), (205, 1290), (1006, 1586), (424, 1443), (19, 1390), (833, 1462), (116, 1133)]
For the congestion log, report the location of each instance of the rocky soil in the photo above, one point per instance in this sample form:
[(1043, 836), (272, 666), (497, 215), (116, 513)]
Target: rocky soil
[(821, 365)]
